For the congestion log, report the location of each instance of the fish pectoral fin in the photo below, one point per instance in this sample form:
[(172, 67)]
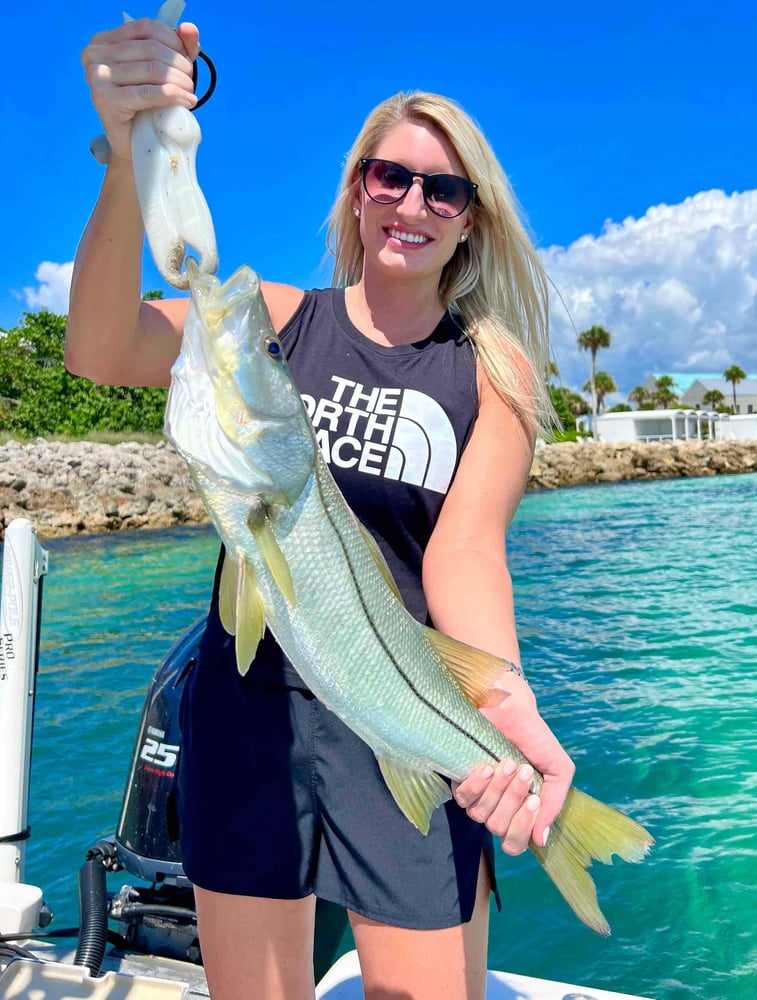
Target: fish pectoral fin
[(241, 609), (417, 793), (587, 830), (475, 671), (381, 562), (274, 558)]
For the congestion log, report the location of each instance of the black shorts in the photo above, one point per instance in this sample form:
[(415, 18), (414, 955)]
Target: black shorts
[(278, 798)]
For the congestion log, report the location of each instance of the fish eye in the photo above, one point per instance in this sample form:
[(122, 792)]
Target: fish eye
[(273, 348)]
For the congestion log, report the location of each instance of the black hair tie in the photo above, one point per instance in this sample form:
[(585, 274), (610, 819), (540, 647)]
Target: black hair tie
[(213, 78)]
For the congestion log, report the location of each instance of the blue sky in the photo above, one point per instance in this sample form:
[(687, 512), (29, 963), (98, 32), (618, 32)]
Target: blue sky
[(598, 112)]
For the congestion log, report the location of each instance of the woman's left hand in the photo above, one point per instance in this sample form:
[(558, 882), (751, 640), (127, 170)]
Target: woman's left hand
[(500, 796)]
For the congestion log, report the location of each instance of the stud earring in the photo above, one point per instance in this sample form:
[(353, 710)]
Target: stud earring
[(356, 212), (464, 237)]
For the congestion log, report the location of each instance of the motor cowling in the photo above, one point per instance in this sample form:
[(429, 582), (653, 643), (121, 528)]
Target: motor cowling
[(146, 837)]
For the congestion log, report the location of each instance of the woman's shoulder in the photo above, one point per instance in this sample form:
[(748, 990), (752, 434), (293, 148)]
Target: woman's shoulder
[(282, 301), (286, 303)]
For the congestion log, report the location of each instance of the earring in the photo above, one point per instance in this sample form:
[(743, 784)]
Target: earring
[(464, 237), (356, 212)]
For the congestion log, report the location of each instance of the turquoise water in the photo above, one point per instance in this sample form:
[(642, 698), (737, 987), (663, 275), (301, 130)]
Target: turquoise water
[(638, 618)]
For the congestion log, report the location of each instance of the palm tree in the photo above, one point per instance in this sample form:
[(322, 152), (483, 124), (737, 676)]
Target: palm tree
[(734, 375), (713, 398), (638, 395), (604, 383), (577, 405), (594, 339), (663, 393)]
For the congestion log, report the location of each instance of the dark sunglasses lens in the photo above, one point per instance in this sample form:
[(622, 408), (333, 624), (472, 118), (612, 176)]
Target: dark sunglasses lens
[(447, 194), (386, 182)]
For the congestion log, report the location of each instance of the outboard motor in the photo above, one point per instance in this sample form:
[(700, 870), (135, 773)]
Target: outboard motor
[(146, 843), (158, 919)]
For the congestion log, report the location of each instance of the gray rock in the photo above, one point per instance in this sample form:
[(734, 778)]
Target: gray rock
[(85, 487)]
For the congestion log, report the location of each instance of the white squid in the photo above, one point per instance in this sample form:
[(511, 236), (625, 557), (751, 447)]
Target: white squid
[(175, 213)]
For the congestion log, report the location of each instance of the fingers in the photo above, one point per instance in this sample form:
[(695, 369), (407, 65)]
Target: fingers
[(144, 28), (190, 38), (500, 798), (553, 792), (141, 64), (525, 728), (141, 60)]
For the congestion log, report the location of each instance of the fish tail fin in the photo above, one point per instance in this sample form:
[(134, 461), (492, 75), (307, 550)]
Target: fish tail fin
[(585, 831)]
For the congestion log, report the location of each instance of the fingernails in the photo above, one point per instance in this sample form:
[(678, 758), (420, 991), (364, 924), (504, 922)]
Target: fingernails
[(533, 803), (545, 838), (487, 771), (526, 772), (508, 766)]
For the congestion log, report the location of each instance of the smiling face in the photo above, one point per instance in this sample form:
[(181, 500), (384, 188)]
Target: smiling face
[(406, 239)]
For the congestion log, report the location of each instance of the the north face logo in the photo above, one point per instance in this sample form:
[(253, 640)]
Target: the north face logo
[(399, 434)]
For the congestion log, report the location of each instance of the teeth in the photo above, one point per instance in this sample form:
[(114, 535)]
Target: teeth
[(408, 237)]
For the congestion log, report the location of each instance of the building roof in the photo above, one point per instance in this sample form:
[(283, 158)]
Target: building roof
[(746, 386), (683, 381)]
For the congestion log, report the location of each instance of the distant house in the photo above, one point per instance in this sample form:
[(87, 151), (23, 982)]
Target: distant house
[(691, 387), (657, 425), (674, 425), (746, 393), (681, 380)]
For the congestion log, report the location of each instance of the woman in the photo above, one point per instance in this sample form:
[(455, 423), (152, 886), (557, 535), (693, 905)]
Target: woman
[(278, 800)]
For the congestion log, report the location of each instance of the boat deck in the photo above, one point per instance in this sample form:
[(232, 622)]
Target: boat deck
[(150, 977)]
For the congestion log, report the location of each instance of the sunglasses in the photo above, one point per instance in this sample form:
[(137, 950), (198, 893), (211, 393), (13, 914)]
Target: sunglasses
[(446, 195)]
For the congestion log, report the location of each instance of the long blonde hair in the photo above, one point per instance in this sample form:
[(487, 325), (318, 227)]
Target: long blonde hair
[(495, 281)]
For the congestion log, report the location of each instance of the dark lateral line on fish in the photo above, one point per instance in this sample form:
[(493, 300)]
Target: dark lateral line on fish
[(386, 649)]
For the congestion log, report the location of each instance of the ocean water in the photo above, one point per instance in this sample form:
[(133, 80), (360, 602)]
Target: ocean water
[(637, 611)]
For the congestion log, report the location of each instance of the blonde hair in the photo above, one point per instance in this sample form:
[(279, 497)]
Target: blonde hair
[(495, 281)]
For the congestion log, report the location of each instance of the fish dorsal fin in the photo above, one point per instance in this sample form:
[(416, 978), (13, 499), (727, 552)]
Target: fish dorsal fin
[(417, 793), (274, 557), (250, 617), (475, 671), (381, 562)]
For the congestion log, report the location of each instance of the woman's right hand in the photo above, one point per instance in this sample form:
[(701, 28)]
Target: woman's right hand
[(141, 64)]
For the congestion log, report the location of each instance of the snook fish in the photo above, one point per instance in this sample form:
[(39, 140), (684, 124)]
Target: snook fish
[(298, 560)]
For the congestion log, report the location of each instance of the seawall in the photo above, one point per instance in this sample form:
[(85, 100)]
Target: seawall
[(69, 488)]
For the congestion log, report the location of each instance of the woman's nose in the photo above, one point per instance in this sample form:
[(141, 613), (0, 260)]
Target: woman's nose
[(413, 203)]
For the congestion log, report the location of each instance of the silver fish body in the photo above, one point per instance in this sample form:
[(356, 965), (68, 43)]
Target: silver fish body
[(298, 561)]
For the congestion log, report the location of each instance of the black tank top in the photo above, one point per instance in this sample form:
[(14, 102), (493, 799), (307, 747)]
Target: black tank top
[(391, 422)]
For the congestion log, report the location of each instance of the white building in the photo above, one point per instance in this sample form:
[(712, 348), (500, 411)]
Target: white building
[(674, 425), (746, 393), (691, 387)]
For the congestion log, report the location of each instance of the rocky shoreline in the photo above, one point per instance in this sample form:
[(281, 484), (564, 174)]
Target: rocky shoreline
[(83, 487)]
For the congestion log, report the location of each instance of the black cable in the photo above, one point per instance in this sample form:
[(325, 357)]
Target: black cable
[(157, 910), (16, 951), (61, 932), (213, 79)]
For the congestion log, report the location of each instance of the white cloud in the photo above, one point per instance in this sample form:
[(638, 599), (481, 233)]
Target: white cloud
[(53, 288), (677, 289)]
